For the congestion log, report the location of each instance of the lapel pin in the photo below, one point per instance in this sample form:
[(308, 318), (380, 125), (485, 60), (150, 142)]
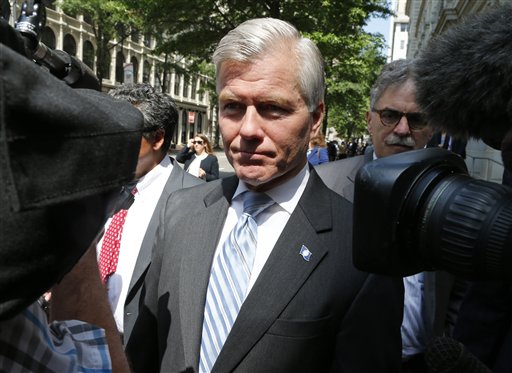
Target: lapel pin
[(306, 254)]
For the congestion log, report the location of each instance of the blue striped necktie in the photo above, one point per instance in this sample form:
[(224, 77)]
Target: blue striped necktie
[(229, 278)]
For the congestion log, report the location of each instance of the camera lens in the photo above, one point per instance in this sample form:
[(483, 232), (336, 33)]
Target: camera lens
[(465, 227), (426, 213)]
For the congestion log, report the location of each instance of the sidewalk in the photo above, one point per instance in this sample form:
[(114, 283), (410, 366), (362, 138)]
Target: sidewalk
[(225, 169)]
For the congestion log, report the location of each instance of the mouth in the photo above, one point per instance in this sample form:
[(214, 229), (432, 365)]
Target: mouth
[(401, 146), (252, 155)]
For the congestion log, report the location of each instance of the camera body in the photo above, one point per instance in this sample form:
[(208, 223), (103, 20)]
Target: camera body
[(425, 212)]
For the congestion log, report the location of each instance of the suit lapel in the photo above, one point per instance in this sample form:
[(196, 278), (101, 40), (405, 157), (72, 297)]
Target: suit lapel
[(174, 182), (286, 270), (197, 261), (357, 163)]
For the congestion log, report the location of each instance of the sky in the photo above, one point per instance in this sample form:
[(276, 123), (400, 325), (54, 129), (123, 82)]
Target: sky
[(380, 25)]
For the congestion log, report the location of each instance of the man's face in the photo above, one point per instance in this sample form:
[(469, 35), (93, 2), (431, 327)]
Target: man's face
[(150, 153), (264, 121), (392, 140)]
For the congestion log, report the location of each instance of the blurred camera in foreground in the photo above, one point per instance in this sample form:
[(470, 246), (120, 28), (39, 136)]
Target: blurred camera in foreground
[(423, 210)]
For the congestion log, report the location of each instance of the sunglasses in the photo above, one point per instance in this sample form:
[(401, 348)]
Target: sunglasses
[(390, 118), (200, 142)]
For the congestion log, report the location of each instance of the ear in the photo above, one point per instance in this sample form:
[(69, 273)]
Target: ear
[(368, 117), (317, 116), (158, 139)]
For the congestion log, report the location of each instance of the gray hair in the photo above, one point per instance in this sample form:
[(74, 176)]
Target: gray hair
[(395, 73), (255, 37), (159, 110)]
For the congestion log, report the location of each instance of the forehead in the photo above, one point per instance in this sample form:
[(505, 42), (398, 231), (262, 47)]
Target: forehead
[(271, 74), (402, 96)]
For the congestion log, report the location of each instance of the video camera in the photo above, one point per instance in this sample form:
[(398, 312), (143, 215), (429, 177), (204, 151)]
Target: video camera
[(64, 153), (423, 210), (30, 25)]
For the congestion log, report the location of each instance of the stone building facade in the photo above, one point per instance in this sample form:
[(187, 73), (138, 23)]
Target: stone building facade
[(133, 59)]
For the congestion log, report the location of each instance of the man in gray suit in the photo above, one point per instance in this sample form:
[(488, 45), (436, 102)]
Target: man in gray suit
[(304, 307), (158, 175), (396, 125)]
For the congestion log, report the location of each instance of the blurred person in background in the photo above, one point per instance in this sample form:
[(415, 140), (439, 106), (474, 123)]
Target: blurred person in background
[(124, 252), (199, 159), (317, 152)]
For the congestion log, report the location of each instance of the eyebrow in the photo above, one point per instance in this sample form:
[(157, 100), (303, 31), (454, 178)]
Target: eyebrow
[(261, 100)]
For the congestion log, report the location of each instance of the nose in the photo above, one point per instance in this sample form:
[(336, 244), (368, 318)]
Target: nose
[(251, 124), (402, 127)]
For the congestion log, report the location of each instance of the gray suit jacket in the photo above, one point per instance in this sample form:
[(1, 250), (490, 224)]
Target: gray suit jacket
[(178, 179), (300, 316), (441, 303)]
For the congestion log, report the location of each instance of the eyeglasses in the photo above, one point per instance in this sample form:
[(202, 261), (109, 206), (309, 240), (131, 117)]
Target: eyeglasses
[(390, 118), (200, 142)]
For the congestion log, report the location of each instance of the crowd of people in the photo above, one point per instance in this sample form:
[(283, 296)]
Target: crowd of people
[(194, 273)]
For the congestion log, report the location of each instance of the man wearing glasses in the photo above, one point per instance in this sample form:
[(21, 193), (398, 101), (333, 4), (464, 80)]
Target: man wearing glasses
[(394, 122), (396, 125)]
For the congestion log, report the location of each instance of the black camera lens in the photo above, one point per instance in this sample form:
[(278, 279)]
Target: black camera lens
[(425, 213), (465, 227)]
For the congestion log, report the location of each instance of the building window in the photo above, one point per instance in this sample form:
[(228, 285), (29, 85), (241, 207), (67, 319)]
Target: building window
[(199, 122), (201, 90), (135, 36), (135, 64), (194, 88), (69, 45), (88, 54), (402, 44), (146, 72), (48, 38), (177, 79), (147, 40), (186, 127), (404, 27), (167, 82), (185, 87), (120, 67), (159, 77), (107, 66)]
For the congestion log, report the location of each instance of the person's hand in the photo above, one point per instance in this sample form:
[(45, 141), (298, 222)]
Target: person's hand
[(202, 173), (190, 143)]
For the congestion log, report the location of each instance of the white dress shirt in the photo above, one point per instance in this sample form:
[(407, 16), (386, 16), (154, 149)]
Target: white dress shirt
[(271, 221), (149, 190), (195, 165)]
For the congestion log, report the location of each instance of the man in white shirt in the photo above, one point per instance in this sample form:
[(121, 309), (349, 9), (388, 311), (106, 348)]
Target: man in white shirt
[(290, 298), (157, 176)]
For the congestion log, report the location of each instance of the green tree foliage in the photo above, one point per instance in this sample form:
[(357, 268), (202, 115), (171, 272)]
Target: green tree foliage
[(110, 20), (192, 28)]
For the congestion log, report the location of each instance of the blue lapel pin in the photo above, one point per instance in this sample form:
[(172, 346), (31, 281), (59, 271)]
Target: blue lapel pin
[(306, 254)]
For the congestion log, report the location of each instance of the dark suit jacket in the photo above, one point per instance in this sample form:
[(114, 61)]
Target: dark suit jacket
[(178, 179), (441, 303), (458, 146), (210, 164), (300, 316)]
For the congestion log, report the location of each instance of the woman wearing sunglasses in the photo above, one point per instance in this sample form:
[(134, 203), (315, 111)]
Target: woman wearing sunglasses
[(199, 159)]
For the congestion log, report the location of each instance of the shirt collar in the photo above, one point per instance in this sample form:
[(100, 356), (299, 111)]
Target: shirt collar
[(147, 179), (287, 194)]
